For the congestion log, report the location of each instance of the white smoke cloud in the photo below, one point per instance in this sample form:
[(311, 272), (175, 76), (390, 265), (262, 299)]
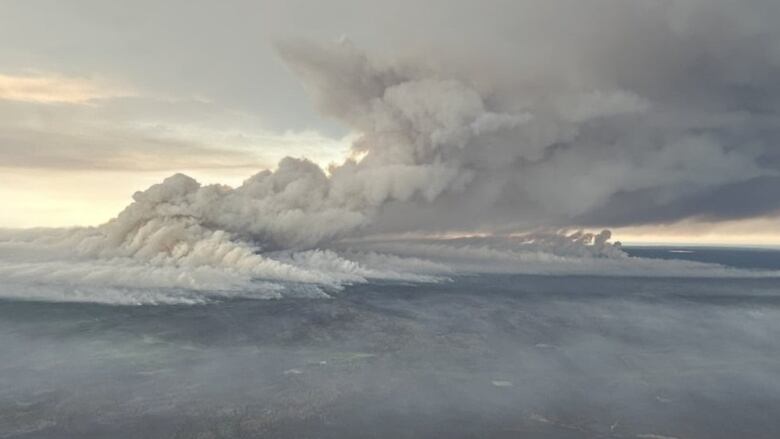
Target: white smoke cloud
[(435, 153), (43, 265)]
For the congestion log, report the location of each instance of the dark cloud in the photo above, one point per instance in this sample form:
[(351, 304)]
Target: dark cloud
[(745, 199)]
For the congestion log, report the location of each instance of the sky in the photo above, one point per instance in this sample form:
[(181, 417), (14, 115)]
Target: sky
[(656, 119)]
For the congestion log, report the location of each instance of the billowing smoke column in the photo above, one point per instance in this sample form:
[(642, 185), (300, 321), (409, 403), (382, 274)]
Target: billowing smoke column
[(436, 154), (422, 139), (416, 139)]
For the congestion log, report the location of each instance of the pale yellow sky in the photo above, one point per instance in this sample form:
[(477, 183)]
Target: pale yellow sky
[(52, 88), (61, 198), (65, 198), (752, 232)]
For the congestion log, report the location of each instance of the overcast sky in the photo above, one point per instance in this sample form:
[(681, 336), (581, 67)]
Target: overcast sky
[(658, 118)]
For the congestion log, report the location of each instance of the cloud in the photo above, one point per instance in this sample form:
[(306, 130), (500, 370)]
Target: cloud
[(55, 89), (751, 198), (146, 133)]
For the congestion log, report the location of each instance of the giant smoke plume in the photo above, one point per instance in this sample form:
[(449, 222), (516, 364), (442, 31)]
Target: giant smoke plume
[(435, 156)]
